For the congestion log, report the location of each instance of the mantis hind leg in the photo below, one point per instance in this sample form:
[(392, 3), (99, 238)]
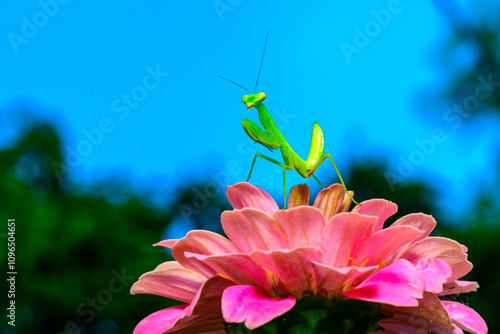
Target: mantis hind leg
[(276, 163), (327, 155)]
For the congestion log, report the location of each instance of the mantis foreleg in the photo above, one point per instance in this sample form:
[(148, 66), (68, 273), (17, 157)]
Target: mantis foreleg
[(274, 162), (259, 135)]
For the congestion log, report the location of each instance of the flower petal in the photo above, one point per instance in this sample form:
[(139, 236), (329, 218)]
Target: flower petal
[(169, 243), (204, 243), (399, 284), (346, 203), (202, 315), (381, 208), (160, 321), (177, 283), (239, 268), (245, 195), (458, 287), (253, 305), (329, 280), (465, 317), (251, 229), (208, 298), (416, 325), (293, 267), (329, 200), (302, 226), (343, 235), (445, 249), (430, 314), (299, 195), (377, 248), (435, 272), (167, 321), (398, 326), (421, 221)]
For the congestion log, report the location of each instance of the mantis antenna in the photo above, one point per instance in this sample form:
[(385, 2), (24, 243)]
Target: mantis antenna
[(261, 61), (237, 84)]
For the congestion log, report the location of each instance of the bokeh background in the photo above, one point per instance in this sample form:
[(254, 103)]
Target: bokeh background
[(116, 132)]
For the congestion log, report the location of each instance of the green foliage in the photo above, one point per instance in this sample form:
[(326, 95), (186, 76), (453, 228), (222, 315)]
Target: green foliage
[(368, 181), (77, 255)]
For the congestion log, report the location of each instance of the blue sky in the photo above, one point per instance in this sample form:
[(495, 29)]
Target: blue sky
[(135, 88)]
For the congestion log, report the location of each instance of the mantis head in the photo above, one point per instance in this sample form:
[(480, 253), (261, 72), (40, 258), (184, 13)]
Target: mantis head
[(253, 99)]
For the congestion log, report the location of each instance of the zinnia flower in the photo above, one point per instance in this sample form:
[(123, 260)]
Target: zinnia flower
[(318, 266)]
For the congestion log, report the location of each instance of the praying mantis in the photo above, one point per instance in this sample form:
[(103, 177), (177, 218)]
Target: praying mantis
[(272, 138)]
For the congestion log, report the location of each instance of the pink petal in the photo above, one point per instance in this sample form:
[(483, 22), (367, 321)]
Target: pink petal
[(245, 195), (253, 305), (400, 327), (415, 325), (177, 283), (444, 249), (329, 280), (429, 314), (299, 195), (169, 243), (160, 321), (399, 284), (329, 200), (343, 235), (377, 207), (203, 243), (465, 317), (302, 225), (202, 315), (239, 268), (458, 287), (251, 229), (208, 298), (293, 267), (167, 321), (169, 265), (377, 249), (346, 203), (423, 222), (435, 272)]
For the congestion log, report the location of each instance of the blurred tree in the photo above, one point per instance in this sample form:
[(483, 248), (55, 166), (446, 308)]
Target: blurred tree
[(367, 180), (470, 57), (481, 237), (77, 254), (200, 205)]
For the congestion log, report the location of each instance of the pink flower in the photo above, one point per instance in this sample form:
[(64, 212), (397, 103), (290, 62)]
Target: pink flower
[(272, 259)]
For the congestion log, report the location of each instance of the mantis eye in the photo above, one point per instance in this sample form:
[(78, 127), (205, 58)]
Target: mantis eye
[(244, 99), (260, 97)]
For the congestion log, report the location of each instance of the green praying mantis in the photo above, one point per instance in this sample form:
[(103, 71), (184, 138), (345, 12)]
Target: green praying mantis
[(272, 138)]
